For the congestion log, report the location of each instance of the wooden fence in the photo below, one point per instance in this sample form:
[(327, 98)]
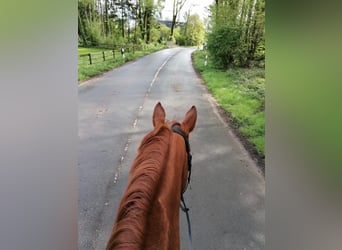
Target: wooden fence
[(106, 55)]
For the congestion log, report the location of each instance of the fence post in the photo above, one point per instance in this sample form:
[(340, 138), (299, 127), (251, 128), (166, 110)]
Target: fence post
[(113, 54), (133, 49), (89, 55), (104, 57)]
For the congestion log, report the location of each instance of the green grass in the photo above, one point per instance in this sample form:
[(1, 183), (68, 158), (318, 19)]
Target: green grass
[(83, 50), (241, 92), (85, 71)]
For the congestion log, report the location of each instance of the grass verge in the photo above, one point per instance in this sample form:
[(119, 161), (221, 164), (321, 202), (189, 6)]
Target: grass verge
[(241, 93), (86, 71), (85, 50)]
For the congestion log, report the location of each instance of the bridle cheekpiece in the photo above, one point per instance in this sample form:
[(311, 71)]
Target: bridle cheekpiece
[(177, 129)]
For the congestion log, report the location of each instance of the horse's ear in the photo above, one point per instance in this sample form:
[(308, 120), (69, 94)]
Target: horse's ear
[(190, 118), (158, 115)]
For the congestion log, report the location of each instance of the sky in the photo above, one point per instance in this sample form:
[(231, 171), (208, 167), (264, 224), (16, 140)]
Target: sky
[(197, 6)]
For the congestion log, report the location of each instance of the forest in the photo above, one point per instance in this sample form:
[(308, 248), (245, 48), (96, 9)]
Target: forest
[(233, 31), (137, 22)]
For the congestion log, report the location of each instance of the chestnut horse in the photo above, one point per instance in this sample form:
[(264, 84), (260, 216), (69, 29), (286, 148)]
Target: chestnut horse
[(148, 214)]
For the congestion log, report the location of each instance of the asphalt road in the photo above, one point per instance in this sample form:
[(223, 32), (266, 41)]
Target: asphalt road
[(227, 195)]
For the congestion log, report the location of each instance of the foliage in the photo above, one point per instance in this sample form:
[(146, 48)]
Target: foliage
[(224, 45), (178, 36), (181, 40), (243, 17), (164, 32), (191, 33), (94, 33), (194, 30), (241, 92)]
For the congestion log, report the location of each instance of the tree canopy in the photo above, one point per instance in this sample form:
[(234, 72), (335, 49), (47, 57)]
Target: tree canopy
[(192, 32)]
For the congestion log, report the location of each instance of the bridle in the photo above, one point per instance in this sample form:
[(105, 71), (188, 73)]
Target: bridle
[(177, 129)]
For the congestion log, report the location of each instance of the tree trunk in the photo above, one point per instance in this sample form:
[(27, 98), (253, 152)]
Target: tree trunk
[(148, 15), (243, 13), (177, 6), (255, 31), (122, 20), (106, 19), (141, 21), (173, 24)]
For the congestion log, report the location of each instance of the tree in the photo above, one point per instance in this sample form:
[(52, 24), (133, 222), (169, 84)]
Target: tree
[(177, 6), (89, 30), (145, 11), (193, 30)]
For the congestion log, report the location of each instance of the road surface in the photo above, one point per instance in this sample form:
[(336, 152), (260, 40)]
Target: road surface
[(227, 195)]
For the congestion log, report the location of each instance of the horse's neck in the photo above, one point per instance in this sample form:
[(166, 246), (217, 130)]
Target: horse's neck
[(162, 228)]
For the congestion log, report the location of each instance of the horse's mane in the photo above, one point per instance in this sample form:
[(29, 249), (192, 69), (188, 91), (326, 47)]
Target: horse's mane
[(141, 189)]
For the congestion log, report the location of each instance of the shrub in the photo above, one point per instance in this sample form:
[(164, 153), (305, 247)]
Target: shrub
[(181, 40), (223, 45)]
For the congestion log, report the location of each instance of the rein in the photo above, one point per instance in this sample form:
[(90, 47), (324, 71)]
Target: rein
[(176, 128)]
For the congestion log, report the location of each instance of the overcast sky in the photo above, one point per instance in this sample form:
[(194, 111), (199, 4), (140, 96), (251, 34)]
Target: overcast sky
[(197, 6)]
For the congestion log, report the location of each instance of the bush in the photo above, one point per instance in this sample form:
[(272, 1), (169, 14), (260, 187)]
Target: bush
[(223, 45), (181, 40), (94, 34)]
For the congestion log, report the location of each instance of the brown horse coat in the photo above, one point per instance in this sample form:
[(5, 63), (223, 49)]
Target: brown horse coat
[(148, 214)]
